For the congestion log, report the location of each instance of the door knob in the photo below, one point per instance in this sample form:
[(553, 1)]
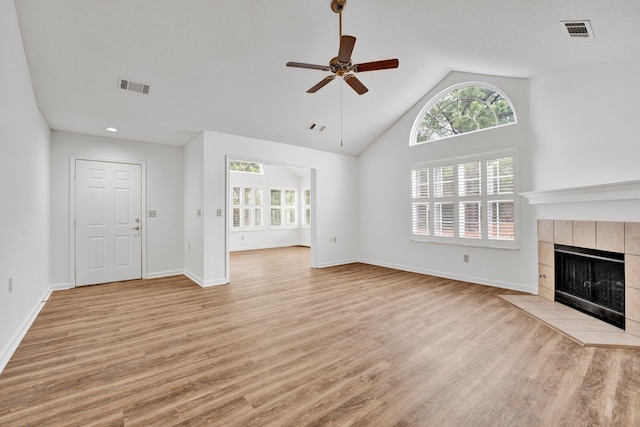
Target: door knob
[(137, 227)]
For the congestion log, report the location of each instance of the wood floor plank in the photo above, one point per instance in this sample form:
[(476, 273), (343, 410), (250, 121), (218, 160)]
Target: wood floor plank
[(287, 345)]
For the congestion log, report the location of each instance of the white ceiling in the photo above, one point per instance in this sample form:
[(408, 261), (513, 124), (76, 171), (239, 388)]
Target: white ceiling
[(220, 66)]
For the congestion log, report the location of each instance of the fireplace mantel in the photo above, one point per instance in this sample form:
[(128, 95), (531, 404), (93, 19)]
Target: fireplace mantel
[(627, 190)]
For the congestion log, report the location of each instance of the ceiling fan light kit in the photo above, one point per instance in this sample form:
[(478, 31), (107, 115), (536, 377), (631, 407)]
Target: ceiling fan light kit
[(342, 65)]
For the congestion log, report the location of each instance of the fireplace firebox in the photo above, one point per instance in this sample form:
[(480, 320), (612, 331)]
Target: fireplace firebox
[(591, 281)]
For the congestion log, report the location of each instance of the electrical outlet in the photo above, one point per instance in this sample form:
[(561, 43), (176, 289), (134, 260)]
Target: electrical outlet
[(466, 258), (198, 212), (219, 212), (153, 214), (10, 284)]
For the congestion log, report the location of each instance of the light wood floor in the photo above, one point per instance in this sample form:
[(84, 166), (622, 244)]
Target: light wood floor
[(285, 344)]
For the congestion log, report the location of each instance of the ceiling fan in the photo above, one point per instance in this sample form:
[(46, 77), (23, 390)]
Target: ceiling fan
[(341, 65)]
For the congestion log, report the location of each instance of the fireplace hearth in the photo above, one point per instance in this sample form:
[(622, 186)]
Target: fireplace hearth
[(592, 281)]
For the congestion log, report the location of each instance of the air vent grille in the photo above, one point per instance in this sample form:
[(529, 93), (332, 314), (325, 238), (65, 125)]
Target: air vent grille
[(580, 29), (134, 87), (316, 127)]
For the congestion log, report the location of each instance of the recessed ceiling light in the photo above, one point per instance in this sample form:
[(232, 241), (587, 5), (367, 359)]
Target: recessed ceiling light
[(110, 129)]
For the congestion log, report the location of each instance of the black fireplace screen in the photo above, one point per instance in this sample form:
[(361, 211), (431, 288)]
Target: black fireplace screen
[(591, 281)]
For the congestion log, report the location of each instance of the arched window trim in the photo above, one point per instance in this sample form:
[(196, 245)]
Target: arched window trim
[(441, 94)]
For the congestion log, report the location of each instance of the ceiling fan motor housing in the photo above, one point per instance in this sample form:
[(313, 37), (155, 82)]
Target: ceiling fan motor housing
[(338, 5)]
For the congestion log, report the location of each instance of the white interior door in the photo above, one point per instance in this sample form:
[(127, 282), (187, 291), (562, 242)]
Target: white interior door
[(108, 222)]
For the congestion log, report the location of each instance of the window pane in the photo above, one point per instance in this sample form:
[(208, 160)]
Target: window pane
[(239, 166), (469, 179), (290, 197), (247, 220), (462, 110), (236, 217), (470, 216), (257, 217), (307, 216), (420, 219), (443, 219), (500, 176), (235, 197), (290, 216), (443, 181), (276, 197), (501, 220), (276, 217), (307, 197), (248, 196), (420, 183), (258, 196)]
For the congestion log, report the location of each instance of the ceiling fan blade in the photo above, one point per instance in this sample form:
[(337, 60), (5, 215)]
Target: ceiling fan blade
[(376, 65), (346, 48), (309, 66), (355, 84), (321, 84)]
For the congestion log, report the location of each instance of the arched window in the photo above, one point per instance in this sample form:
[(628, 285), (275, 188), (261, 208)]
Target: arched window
[(464, 108)]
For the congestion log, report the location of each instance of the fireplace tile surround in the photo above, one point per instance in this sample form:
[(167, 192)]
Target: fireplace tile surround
[(621, 237)]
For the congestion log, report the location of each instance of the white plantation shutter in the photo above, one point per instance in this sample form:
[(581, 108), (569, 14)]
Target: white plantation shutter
[(470, 179), (443, 219), (500, 176), (420, 206), (284, 208), (468, 201), (443, 185), (420, 219), (501, 220), (470, 220), (420, 183), (246, 211)]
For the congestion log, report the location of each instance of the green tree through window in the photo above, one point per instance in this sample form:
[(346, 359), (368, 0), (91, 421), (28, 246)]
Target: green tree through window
[(240, 166), (463, 109)]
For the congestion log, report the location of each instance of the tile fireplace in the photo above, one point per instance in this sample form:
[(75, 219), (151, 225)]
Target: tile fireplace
[(561, 246)]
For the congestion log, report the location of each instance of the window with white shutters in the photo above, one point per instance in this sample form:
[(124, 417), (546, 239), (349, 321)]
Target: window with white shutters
[(283, 208), (246, 209), (306, 208), (468, 201)]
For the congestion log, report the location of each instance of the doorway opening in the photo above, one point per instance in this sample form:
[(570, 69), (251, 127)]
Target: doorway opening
[(269, 206)]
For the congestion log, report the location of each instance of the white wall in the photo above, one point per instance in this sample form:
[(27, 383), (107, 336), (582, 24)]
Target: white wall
[(274, 176), (334, 198), (584, 133), (164, 164), (24, 193), (193, 201), (384, 197)]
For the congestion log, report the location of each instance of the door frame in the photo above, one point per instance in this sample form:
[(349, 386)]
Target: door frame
[(72, 210), (313, 263)]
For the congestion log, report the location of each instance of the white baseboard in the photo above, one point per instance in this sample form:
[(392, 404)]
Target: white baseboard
[(215, 282), (12, 345), (193, 277), (167, 273), (267, 246), (478, 280), (336, 263)]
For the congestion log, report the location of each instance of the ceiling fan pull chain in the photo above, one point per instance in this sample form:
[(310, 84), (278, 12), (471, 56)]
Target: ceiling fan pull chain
[(341, 84)]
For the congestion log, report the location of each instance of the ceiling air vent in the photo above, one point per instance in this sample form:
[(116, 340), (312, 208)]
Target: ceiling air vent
[(580, 29), (134, 87), (316, 127)]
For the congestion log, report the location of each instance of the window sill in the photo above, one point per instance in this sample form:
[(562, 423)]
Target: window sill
[(497, 244)]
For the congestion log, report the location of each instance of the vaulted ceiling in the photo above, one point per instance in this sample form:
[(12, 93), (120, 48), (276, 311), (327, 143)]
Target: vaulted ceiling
[(220, 66)]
